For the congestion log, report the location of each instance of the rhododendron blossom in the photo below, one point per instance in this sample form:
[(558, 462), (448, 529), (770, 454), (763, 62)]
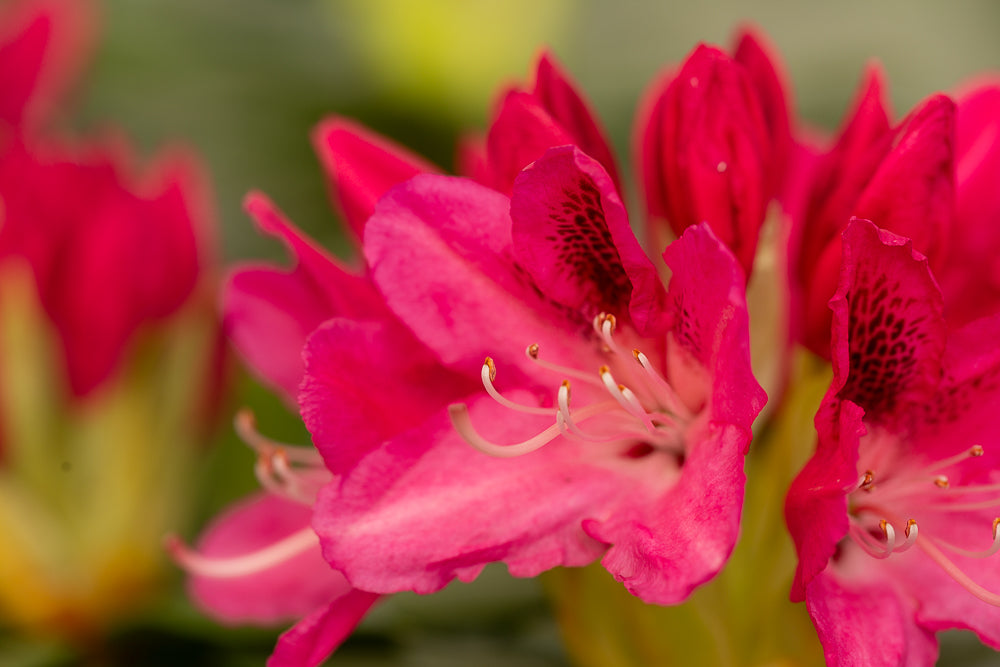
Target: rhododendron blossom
[(894, 518), (649, 406), (270, 313)]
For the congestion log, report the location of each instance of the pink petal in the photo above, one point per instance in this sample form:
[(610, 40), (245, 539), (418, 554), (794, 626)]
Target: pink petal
[(868, 623), (965, 405), (889, 333), (361, 166), (816, 506), (109, 252), (521, 132), (43, 46), (971, 280), (471, 160), (707, 306), (310, 641), (663, 547), (560, 97), (572, 235), (913, 191), (839, 179), (427, 507), (757, 55), (291, 589), (440, 251), (367, 382), (269, 313)]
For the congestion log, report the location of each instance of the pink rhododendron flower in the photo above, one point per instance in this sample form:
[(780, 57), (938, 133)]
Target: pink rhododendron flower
[(43, 44), (269, 314), (109, 252), (714, 143), (894, 516), (901, 178), (638, 453)]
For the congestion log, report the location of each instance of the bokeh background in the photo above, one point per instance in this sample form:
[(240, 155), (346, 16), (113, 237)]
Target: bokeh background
[(244, 82)]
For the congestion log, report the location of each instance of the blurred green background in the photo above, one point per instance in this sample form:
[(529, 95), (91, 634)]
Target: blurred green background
[(244, 82)]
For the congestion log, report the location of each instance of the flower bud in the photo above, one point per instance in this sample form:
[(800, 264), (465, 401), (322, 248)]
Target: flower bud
[(708, 150)]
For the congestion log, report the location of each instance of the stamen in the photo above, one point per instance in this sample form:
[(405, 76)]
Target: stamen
[(995, 547), (972, 488), (223, 567), (565, 418), (864, 540), (605, 325), (637, 408), (957, 574), (532, 354), (615, 390), (941, 482), (246, 428), (668, 396), (890, 534), (292, 480), (488, 375), (911, 533), (865, 482), (973, 452), (459, 414), (562, 398), (275, 474), (264, 471)]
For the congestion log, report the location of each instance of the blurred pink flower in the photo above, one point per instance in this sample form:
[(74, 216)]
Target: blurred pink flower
[(43, 46), (101, 339), (906, 467), (110, 251)]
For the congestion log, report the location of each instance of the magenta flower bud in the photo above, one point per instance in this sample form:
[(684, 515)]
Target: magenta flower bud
[(707, 150)]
